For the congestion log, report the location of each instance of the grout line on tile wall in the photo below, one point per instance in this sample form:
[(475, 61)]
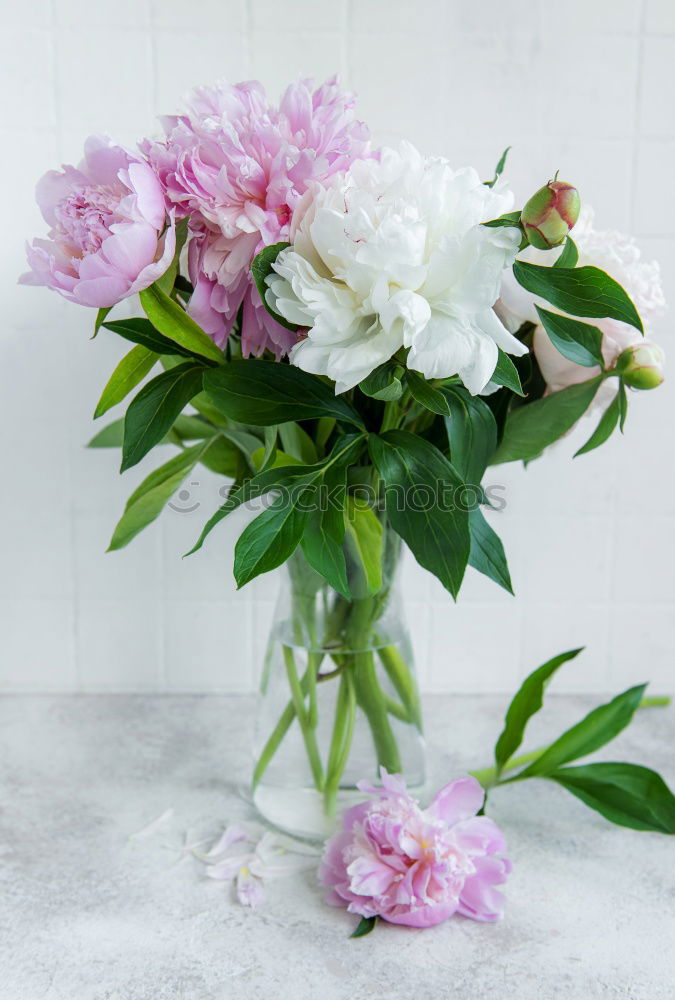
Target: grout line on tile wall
[(636, 115), (248, 36), (154, 68)]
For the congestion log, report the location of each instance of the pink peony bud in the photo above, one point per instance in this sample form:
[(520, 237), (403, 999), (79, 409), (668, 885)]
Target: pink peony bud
[(550, 214), (641, 366)]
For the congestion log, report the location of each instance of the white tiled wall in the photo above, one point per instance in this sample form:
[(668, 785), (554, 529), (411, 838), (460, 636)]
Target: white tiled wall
[(587, 87)]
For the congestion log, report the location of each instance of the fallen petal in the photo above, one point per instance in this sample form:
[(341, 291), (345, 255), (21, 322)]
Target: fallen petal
[(148, 830)]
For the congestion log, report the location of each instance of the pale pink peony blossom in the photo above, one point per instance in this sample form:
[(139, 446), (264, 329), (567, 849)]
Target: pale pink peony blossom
[(110, 236), (417, 866), (238, 166), (620, 257)]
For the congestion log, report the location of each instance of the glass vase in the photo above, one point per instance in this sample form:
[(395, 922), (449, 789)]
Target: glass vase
[(338, 694)]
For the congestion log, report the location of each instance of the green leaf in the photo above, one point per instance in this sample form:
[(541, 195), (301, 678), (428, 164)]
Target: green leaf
[(569, 256), (291, 478), (266, 392), (384, 382), (175, 324), (578, 342), (364, 539), (190, 428), (603, 431), (111, 436), (141, 331), (626, 794), (364, 926), (268, 455), (225, 458), (185, 428), (149, 499), (581, 291), (508, 219), (499, 169), (322, 541), (260, 269), (297, 442), (421, 489), (247, 443), (506, 374), (131, 370), (487, 552), (622, 400), (184, 287), (100, 316), (153, 411), (426, 395), (280, 460), (324, 429), (597, 728), (167, 280), (531, 428), (270, 538), (472, 433), (526, 702)]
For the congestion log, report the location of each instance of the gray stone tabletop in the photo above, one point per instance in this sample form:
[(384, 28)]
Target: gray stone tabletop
[(88, 914)]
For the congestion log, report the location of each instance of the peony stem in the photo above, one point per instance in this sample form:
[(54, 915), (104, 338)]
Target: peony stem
[(396, 709), (657, 701), (303, 717), (403, 682), (488, 775), (343, 730), (313, 664), (371, 700), (277, 735)]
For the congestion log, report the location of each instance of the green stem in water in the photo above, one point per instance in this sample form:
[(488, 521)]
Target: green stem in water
[(277, 735), (303, 717), (396, 709), (304, 632), (371, 699), (343, 730), (404, 683), (313, 664)]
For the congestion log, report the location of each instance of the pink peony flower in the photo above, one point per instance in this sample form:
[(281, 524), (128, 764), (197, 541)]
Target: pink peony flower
[(109, 235), (237, 166), (417, 866)]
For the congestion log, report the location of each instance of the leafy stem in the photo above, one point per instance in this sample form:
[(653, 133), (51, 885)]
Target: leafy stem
[(489, 776)]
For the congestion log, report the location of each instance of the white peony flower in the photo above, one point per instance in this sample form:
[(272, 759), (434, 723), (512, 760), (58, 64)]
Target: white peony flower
[(620, 257), (393, 255)]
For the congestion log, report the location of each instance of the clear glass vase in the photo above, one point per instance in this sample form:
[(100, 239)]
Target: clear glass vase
[(338, 694)]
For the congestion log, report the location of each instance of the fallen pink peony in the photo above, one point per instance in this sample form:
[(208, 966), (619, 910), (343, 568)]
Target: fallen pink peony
[(416, 866), (109, 235)]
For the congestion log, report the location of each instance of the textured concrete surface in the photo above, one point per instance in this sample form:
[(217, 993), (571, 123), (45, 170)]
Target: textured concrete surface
[(85, 914)]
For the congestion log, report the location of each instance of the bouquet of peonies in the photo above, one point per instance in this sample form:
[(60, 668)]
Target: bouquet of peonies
[(355, 334)]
